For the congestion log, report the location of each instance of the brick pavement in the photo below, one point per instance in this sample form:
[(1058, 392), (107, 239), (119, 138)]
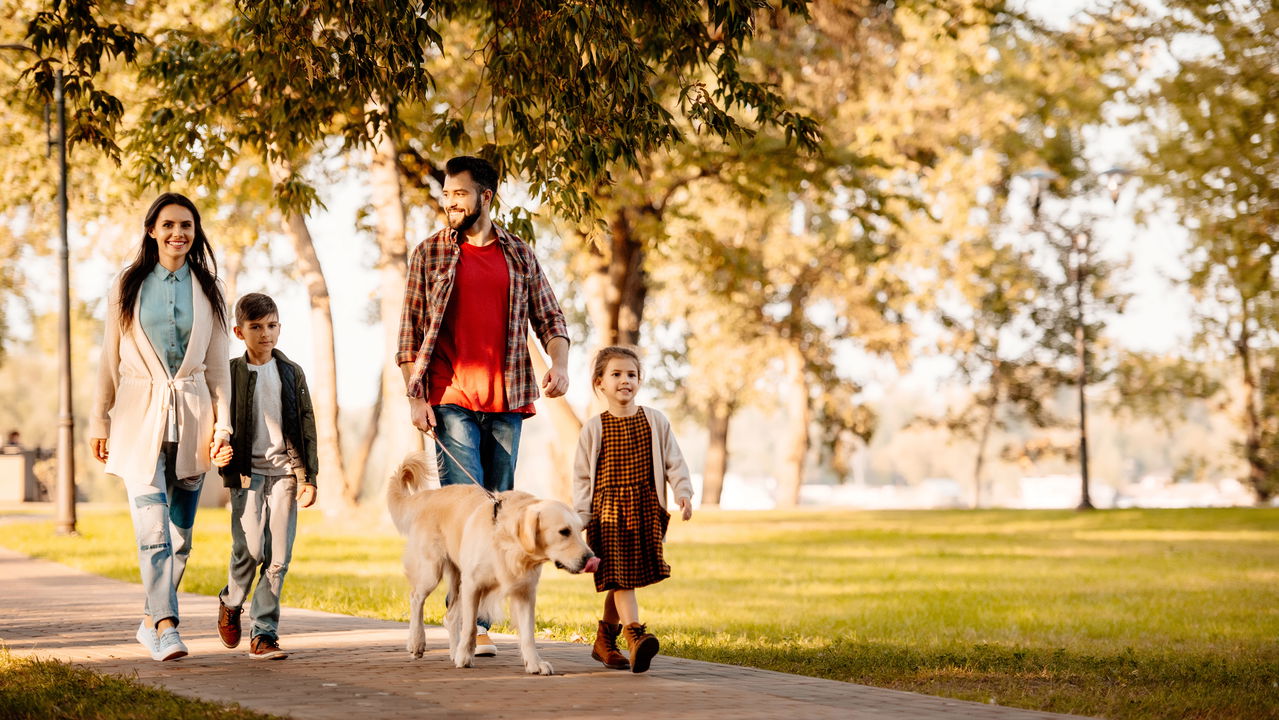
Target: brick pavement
[(343, 665)]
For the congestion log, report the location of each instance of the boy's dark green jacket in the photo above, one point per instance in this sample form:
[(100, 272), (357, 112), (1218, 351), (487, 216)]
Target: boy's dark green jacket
[(295, 407)]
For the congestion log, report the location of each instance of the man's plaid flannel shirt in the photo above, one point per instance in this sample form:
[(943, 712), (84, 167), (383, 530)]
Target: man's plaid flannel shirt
[(432, 270)]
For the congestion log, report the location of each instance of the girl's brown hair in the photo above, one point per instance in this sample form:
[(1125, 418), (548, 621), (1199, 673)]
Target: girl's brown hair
[(613, 352)]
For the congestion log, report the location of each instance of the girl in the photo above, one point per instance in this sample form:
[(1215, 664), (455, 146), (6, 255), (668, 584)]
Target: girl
[(162, 401), (625, 459)]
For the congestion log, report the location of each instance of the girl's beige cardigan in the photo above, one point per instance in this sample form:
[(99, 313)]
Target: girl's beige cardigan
[(135, 390), (669, 467)]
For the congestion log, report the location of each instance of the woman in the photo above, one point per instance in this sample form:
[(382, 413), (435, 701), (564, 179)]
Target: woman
[(162, 405)]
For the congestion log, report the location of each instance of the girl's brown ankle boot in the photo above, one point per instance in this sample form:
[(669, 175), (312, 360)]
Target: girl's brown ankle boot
[(605, 649), (643, 646)]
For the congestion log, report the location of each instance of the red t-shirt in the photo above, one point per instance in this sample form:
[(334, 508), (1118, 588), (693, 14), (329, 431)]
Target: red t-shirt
[(467, 367)]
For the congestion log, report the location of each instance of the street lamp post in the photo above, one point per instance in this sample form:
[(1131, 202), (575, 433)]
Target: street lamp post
[(66, 515), (64, 489)]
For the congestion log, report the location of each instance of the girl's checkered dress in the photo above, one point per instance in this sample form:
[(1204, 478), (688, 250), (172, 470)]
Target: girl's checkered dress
[(627, 521)]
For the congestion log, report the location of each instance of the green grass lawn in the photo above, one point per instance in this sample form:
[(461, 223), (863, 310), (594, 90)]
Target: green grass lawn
[(1121, 614), (42, 689)]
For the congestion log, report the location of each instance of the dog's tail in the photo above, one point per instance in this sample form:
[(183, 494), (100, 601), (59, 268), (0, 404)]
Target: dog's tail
[(411, 476)]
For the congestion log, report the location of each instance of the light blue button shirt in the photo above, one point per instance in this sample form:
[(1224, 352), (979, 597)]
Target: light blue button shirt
[(166, 313)]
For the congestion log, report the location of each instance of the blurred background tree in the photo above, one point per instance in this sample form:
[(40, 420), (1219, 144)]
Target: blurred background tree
[(795, 209)]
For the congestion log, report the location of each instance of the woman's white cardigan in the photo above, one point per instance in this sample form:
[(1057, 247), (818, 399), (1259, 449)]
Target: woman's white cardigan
[(669, 467), (135, 390)]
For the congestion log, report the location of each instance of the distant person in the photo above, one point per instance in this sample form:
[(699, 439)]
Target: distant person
[(161, 407), (473, 289), (12, 444), (626, 458), (273, 472)]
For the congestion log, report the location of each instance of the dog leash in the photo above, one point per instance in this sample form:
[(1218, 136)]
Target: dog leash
[(492, 495)]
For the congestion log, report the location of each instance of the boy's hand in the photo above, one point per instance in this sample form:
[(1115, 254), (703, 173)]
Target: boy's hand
[(220, 452), (306, 495), (686, 508)]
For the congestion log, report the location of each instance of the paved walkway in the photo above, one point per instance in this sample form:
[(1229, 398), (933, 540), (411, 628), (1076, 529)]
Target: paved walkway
[(345, 666)]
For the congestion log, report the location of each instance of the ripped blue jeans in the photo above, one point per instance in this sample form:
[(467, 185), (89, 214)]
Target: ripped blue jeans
[(163, 517), (264, 521)]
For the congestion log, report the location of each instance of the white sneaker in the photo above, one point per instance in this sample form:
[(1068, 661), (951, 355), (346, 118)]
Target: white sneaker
[(148, 639), (484, 646), (171, 646)]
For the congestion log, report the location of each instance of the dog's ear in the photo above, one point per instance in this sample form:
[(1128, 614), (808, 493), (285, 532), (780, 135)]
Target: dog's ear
[(530, 524)]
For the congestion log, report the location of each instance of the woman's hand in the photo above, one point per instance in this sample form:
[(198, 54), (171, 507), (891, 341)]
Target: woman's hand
[(686, 508), (220, 452), (99, 447), (306, 495)]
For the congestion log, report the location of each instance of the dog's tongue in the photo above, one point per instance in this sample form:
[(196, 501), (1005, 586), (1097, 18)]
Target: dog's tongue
[(592, 565)]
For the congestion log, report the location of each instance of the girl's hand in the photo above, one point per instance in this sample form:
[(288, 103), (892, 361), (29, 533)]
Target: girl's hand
[(306, 495), (686, 508), (220, 451), (99, 447)]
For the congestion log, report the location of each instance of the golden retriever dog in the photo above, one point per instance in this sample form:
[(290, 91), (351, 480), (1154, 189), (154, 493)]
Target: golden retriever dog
[(483, 551)]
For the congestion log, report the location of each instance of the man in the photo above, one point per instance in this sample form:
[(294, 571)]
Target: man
[(473, 288)]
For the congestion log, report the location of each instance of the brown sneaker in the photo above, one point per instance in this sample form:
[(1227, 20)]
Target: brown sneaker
[(643, 646), (262, 647), (228, 625), (605, 649)]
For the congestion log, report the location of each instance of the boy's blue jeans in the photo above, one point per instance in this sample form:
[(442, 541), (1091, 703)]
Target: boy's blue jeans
[(264, 520), (485, 443), (163, 513)]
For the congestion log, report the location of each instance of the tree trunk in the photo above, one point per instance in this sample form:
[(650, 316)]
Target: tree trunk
[(567, 428), (982, 441), (719, 414), (323, 377), (992, 407), (1257, 470), (627, 273), (618, 287), (230, 276), (386, 186), (799, 414), (360, 464)]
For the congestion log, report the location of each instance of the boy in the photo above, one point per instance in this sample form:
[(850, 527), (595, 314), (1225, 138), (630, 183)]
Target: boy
[(272, 471)]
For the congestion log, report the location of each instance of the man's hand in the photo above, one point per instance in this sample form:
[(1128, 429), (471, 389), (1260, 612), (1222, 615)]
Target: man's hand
[(686, 508), (306, 495), (99, 446), (421, 414), (555, 383), (220, 452)]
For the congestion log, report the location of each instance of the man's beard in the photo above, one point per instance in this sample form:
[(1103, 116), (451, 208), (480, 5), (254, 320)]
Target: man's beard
[(466, 222)]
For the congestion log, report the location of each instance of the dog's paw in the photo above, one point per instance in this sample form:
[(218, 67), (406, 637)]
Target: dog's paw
[(463, 661), (416, 646), (541, 667)]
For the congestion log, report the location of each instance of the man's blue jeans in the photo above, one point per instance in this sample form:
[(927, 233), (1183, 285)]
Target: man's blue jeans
[(484, 443)]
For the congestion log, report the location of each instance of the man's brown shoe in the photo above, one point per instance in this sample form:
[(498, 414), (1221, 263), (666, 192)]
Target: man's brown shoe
[(228, 625), (605, 649), (643, 646), (262, 647)]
